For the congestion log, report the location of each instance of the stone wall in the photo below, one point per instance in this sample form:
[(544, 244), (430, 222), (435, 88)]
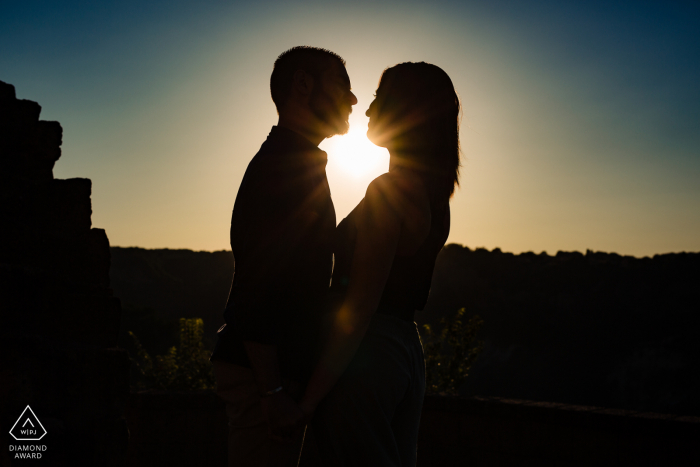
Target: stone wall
[(478, 431), (60, 321), (190, 429)]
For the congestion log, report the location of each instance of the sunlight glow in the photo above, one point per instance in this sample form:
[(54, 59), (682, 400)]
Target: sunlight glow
[(355, 155), (353, 162)]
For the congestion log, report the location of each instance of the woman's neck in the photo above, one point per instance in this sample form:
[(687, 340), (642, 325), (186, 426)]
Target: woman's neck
[(402, 160)]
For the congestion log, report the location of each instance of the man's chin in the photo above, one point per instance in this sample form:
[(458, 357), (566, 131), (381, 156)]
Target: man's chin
[(342, 128)]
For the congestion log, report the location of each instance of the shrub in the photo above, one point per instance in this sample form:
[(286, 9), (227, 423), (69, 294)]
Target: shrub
[(182, 368), (450, 354)]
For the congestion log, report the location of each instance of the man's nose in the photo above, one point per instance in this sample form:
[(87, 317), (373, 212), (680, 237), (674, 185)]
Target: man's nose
[(353, 99)]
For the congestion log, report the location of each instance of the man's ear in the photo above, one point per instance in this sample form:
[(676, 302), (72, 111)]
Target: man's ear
[(303, 82)]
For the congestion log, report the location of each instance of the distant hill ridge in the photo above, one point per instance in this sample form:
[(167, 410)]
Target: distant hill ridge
[(174, 283), (593, 329)]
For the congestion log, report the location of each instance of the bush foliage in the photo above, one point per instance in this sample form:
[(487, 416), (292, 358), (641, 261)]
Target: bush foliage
[(450, 353), (183, 368)]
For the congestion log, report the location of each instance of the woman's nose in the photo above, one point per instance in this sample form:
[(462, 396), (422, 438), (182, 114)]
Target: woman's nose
[(369, 108)]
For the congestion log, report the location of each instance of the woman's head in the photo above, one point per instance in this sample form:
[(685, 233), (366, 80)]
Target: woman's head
[(415, 115)]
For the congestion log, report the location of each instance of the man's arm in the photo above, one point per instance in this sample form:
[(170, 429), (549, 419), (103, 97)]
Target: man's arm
[(278, 408), (265, 366), (262, 230)]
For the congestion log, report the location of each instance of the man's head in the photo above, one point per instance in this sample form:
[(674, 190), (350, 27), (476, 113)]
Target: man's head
[(311, 86)]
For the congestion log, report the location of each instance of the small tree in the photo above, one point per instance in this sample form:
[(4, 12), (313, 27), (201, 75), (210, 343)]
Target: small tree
[(450, 354), (183, 368)]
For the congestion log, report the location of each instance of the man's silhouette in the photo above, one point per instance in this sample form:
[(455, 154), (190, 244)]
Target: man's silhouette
[(282, 228)]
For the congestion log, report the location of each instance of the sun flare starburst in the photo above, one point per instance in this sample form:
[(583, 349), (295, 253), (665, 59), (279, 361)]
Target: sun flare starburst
[(355, 155)]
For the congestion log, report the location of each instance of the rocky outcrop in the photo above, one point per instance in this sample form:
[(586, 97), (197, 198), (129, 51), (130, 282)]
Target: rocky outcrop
[(60, 322)]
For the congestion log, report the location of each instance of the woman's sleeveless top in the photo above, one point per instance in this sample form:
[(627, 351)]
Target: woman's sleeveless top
[(408, 285)]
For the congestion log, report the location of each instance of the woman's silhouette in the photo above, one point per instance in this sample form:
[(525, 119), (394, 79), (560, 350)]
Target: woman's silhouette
[(366, 393)]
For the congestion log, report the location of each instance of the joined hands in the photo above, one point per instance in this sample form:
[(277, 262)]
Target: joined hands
[(285, 417)]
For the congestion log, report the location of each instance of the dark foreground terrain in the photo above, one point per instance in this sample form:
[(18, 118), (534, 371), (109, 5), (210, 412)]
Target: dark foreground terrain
[(591, 329)]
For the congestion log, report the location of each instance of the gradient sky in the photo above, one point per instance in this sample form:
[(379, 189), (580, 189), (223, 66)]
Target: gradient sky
[(581, 125)]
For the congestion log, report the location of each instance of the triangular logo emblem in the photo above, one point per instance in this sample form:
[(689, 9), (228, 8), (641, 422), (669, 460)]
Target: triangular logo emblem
[(27, 427)]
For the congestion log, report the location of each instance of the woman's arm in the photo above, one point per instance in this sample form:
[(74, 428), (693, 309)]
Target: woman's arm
[(378, 231)]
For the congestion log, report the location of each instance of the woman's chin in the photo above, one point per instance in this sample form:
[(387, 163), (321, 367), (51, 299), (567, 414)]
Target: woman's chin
[(375, 139)]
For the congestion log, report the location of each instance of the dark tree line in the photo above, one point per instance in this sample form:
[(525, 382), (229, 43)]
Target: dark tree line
[(594, 329)]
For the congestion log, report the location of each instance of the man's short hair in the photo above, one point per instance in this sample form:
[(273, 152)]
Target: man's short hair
[(312, 60)]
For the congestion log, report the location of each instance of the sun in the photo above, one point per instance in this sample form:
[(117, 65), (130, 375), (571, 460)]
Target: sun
[(354, 155), (353, 162)]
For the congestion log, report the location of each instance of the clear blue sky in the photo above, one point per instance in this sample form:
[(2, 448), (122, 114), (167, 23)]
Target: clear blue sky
[(581, 125)]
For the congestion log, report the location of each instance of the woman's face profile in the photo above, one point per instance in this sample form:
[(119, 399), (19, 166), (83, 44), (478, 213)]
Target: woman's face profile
[(371, 125), (381, 129)]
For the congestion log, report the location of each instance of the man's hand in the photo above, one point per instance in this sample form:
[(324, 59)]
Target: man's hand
[(283, 415)]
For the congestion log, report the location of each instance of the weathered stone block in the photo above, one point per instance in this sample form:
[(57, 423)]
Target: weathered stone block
[(100, 256), (78, 261), (22, 115), (7, 91), (84, 319), (28, 147), (43, 150), (65, 206)]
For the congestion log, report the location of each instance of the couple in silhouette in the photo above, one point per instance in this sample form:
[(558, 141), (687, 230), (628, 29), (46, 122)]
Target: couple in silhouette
[(346, 360)]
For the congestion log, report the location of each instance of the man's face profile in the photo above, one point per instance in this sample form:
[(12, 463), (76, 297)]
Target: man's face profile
[(331, 100)]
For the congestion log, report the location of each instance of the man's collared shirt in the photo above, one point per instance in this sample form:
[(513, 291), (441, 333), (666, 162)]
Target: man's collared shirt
[(282, 231)]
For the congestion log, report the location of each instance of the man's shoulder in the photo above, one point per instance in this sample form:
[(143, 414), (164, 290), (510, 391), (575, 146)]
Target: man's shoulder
[(265, 162), (273, 157), (270, 176)]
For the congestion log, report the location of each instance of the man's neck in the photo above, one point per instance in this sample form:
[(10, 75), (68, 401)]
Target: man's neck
[(302, 130)]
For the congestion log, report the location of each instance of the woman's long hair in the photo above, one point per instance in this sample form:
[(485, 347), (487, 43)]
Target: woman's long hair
[(420, 109)]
